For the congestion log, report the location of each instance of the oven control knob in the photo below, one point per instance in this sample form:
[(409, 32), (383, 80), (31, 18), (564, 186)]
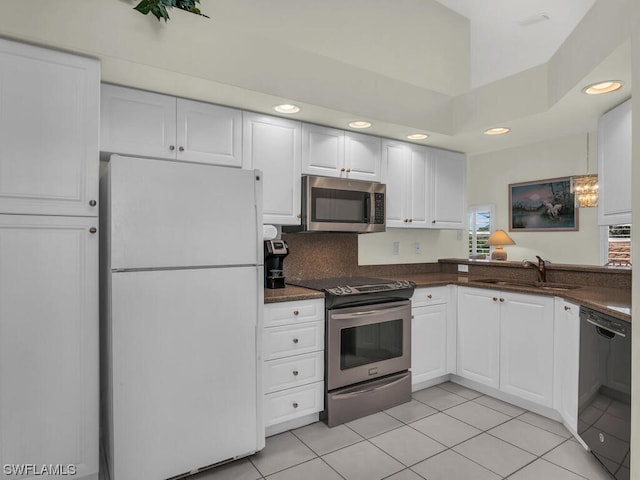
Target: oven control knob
[(347, 290), (338, 291)]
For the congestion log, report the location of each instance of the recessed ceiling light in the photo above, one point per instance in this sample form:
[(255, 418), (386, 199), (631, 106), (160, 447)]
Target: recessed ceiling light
[(497, 131), (360, 124), (417, 136), (287, 108), (602, 87)]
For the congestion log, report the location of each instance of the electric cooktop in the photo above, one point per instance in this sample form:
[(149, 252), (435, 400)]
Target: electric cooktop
[(350, 290)]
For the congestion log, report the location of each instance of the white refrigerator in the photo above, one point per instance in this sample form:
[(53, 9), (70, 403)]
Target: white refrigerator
[(181, 316)]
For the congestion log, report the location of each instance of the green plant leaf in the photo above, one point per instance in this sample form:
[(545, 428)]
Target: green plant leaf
[(159, 7)]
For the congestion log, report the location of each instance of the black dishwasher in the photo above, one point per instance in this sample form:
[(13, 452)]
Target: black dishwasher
[(604, 403)]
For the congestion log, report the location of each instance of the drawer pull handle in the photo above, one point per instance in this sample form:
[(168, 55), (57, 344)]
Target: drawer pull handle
[(296, 313), (92, 203), (295, 373), (172, 147), (295, 340), (429, 296), (495, 299), (567, 308), (181, 149), (502, 299), (295, 404)]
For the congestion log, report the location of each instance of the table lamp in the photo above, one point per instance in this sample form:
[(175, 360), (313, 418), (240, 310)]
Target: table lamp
[(498, 239)]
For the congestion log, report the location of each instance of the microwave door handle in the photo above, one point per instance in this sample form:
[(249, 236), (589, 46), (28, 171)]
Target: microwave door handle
[(367, 208)]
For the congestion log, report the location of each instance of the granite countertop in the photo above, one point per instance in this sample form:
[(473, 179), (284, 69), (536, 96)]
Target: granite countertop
[(290, 293), (613, 301)]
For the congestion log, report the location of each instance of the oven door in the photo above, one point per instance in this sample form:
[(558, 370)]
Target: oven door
[(367, 342)]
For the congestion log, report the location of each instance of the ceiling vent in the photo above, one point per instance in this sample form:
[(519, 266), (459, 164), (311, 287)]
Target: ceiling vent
[(540, 17)]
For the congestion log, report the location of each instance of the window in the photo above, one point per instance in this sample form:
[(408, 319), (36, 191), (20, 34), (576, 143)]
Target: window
[(619, 245), (480, 228)]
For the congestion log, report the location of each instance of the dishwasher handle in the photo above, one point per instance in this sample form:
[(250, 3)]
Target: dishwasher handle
[(601, 329)]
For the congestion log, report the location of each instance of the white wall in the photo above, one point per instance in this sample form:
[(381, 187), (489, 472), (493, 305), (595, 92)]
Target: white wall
[(489, 176)]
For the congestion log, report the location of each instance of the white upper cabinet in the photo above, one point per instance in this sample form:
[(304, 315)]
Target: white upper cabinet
[(322, 150), (135, 122), (362, 156), (404, 171), (209, 133), (272, 144), (448, 203), (49, 114), (331, 152), (614, 166)]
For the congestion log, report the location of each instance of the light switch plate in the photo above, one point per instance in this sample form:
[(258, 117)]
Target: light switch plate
[(463, 268), (395, 249)]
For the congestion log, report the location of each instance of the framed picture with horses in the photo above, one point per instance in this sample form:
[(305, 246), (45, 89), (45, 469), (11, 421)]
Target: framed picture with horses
[(542, 206)]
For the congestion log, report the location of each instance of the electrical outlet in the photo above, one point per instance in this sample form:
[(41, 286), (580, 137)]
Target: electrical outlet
[(395, 249), (418, 248), (463, 268), (459, 235)]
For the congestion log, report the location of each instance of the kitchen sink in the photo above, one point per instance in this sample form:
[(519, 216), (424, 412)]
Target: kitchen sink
[(516, 283)]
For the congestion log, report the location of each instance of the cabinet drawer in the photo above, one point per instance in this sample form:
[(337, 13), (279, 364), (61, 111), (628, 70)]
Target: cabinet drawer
[(287, 313), (293, 371), (430, 296), (293, 403), (290, 340)]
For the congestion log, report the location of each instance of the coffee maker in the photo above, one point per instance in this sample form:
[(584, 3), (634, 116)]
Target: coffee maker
[(274, 253)]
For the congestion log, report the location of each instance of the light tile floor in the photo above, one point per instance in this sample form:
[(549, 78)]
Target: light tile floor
[(447, 432)]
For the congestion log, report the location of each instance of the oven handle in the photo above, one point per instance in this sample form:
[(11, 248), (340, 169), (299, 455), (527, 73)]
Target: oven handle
[(347, 316), (368, 390)]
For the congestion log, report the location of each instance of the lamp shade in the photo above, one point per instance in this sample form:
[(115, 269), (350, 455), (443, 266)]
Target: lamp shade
[(498, 239)]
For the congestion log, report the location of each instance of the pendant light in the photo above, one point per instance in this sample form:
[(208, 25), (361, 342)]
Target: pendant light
[(585, 187)]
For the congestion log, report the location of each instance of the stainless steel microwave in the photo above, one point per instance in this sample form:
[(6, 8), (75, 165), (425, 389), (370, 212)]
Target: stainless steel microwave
[(341, 205)]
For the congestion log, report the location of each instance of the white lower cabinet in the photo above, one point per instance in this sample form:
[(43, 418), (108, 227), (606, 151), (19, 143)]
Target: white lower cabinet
[(479, 336), (566, 361), (49, 374), (432, 334), (293, 352), (506, 341)]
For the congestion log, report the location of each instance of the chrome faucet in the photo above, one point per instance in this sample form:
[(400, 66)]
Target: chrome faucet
[(541, 268)]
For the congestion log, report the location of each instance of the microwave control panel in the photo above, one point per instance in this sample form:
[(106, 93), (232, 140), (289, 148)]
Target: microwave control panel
[(379, 208)]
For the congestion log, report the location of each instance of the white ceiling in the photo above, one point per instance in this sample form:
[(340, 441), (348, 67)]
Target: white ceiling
[(450, 68), (510, 36)]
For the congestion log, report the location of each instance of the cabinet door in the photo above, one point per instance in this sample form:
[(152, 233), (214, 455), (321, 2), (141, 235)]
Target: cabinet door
[(322, 151), (272, 145), (362, 156), (49, 114), (49, 341), (448, 186), (209, 133), (479, 336), (135, 122), (566, 361), (526, 353), (428, 343), (395, 162), (614, 166), (417, 187)]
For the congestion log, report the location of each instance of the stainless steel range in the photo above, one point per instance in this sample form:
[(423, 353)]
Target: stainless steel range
[(368, 345)]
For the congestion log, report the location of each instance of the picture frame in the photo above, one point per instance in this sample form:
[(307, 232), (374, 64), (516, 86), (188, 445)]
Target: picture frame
[(542, 206)]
